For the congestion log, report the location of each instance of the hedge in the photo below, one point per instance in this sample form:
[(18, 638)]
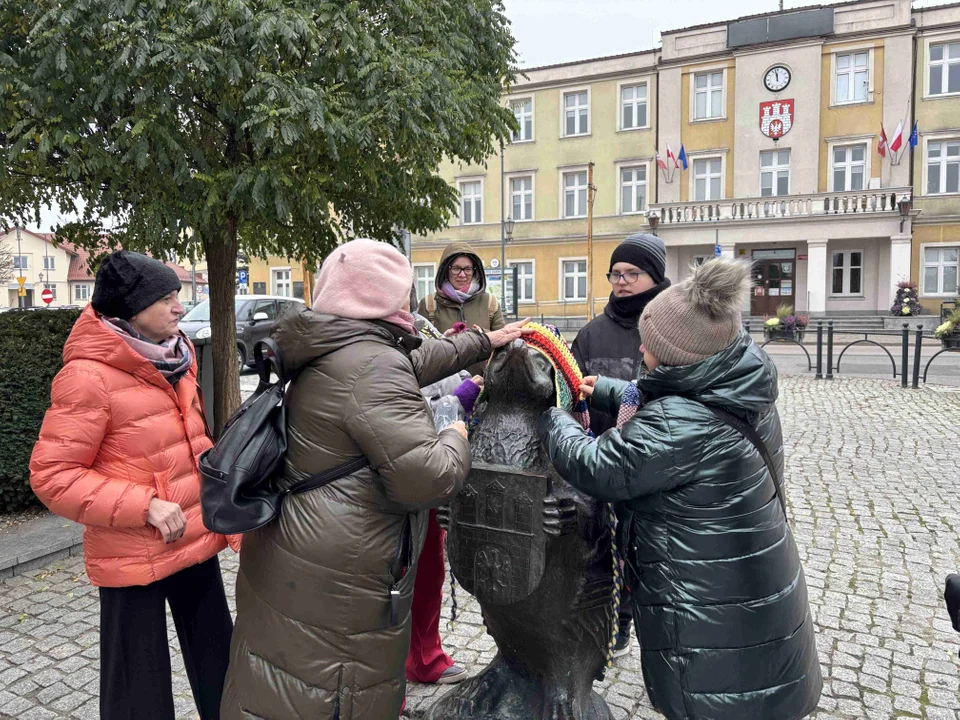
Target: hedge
[(31, 346)]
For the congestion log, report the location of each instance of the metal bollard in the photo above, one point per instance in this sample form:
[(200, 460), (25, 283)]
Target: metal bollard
[(819, 350), (917, 358), (829, 350), (905, 356)]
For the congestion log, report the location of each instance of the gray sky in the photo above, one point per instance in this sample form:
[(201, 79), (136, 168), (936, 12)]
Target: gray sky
[(556, 31)]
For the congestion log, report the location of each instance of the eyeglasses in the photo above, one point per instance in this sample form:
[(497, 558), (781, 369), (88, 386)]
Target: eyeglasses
[(629, 277), (465, 271)]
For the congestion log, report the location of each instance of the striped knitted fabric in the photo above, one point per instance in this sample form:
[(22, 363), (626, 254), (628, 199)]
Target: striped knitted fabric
[(547, 340)]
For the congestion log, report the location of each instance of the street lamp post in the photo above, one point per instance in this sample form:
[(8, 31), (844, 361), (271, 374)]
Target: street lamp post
[(21, 298), (506, 237)]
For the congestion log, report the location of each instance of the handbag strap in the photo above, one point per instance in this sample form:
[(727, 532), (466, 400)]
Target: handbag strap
[(328, 476), (272, 359), (750, 433)]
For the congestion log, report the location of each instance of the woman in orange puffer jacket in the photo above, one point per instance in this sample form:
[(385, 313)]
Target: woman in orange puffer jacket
[(118, 453)]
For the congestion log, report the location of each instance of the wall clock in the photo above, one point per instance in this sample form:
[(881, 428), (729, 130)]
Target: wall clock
[(777, 78)]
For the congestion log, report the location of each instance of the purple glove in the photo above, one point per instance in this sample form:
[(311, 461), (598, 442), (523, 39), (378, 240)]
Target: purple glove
[(467, 394)]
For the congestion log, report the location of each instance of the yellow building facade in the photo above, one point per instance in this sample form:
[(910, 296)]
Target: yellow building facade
[(831, 225)]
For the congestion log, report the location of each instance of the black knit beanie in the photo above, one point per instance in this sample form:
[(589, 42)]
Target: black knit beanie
[(645, 251), (128, 283)]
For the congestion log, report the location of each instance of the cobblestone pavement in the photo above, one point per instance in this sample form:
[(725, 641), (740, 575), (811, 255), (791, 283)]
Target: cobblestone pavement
[(872, 484)]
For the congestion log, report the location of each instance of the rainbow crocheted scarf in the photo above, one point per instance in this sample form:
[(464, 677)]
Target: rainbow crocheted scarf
[(547, 340)]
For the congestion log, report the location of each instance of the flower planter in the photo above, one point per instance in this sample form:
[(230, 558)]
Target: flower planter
[(951, 342), (780, 333)]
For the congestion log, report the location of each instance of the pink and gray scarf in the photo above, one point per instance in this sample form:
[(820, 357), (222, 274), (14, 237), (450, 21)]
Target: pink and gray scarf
[(460, 297), (172, 358)]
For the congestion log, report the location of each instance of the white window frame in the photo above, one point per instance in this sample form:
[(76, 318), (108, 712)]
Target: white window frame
[(275, 282), (943, 139), (723, 94), (432, 279), (520, 278), (563, 198), (508, 201), (533, 113), (49, 263), (852, 51), (563, 285), (563, 111), (923, 269), (944, 78), (620, 167), (21, 262), (691, 159), (775, 169), (847, 267), (621, 86), (86, 291), (461, 181), (867, 142)]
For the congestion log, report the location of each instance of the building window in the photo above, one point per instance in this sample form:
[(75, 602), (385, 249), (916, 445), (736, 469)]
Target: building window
[(20, 262), (471, 205), (633, 106), (49, 262), (425, 276), (523, 112), (81, 292), (707, 176), (576, 113), (774, 173), (849, 167), (847, 277), (52, 288), (281, 283), (940, 270), (525, 280), (708, 95), (574, 280), (943, 167), (853, 75), (633, 189), (521, 198), (575, 194), (944, 68)]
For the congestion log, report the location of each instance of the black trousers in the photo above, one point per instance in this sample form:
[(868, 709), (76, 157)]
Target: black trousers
[(135, 674)]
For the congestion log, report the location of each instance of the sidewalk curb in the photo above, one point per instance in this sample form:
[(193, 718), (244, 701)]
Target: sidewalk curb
[(38, 543)]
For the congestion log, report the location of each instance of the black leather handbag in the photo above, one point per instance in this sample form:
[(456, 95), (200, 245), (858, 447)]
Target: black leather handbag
[(238, 489)]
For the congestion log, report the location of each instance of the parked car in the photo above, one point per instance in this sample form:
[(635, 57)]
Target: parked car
[(256, 315)]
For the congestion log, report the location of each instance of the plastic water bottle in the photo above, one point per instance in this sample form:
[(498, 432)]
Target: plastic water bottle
[(446, 411)]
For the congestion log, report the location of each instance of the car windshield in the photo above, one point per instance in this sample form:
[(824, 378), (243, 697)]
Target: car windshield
[(201, 313)]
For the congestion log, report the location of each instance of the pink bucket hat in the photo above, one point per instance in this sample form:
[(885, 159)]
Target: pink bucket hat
[(363, 280)]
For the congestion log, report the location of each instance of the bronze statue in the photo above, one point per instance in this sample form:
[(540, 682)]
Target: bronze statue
[(537, 556)]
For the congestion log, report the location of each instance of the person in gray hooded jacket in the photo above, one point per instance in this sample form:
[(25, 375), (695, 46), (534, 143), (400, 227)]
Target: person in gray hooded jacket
[(720, 602)]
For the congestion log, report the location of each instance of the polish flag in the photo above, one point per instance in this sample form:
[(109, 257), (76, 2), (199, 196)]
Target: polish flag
[(671, 156), (897, 141), (882, 143), (660, 163)]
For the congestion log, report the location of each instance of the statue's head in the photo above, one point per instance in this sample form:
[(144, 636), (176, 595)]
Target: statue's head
[(519, 374)]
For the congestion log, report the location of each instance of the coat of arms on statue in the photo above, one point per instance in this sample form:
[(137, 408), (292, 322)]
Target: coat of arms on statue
[(776, 118)]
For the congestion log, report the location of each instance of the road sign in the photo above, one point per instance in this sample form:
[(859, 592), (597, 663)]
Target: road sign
[(717, 250), (21, 293), (21, 280), (47, 295), (242, 277)]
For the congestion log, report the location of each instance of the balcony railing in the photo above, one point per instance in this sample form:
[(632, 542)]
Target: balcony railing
[(860, 202)]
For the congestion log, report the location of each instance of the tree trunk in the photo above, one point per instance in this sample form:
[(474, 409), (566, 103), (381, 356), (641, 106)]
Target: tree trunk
[(220, 248)]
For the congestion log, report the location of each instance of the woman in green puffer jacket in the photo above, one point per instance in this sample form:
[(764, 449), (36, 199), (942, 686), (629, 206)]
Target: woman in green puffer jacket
[(719, 597)]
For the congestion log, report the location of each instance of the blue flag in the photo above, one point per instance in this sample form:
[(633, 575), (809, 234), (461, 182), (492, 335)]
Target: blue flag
[(915, 135), (682, 157)]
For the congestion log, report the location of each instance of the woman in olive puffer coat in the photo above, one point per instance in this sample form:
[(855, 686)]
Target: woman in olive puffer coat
[(719, 597), (324, 591)]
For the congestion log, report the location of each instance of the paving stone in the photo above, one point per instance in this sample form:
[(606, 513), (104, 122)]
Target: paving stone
[(876, 522)]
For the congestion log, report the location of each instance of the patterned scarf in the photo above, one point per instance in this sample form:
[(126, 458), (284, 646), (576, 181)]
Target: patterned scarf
[(172, 358), (460, 297)]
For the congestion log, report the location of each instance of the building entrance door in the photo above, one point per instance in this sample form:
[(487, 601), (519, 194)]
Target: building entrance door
[(774, 281)]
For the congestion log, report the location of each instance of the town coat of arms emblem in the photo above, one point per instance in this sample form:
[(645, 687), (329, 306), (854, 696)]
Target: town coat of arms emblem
[(776, 118), (496, 542)]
